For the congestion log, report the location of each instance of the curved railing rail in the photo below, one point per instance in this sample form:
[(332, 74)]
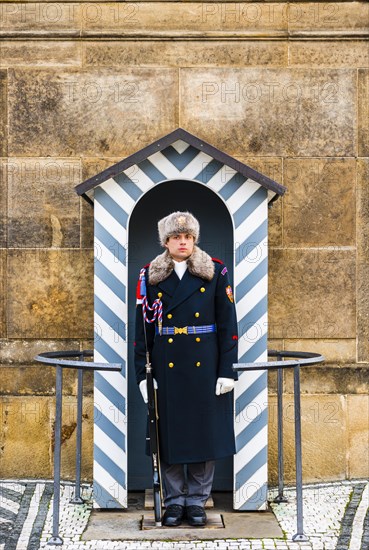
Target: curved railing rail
[(57, 358), (301, 358), (63, 360), (295, 360)]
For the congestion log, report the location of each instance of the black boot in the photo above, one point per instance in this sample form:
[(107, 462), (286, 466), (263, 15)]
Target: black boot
[(196, 516), (173, 515)]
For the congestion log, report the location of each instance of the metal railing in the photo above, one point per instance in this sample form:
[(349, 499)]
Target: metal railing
[(62, 360), (297, 360)]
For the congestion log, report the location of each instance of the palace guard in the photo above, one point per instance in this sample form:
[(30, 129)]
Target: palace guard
[(185, 301)]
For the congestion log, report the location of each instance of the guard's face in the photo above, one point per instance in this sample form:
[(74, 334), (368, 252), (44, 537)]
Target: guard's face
[(180, 246)]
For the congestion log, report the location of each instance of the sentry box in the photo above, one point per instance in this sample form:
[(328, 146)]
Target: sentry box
[(230, 199)]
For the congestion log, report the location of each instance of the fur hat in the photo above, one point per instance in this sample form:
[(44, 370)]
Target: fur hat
[(178, 222)]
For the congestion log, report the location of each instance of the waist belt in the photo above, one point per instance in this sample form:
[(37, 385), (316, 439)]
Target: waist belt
[(195, 329)]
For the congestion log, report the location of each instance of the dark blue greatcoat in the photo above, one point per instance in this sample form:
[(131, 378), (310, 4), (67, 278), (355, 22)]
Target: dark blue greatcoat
[(195, 425)]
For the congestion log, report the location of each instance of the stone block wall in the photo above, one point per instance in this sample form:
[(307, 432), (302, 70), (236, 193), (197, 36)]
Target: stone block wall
[(284, 87)]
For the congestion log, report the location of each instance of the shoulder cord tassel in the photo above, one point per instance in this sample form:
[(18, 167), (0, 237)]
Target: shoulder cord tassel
[(157, 306)]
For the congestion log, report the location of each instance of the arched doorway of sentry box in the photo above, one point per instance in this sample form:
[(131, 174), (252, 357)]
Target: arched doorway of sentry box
[(217, 239)]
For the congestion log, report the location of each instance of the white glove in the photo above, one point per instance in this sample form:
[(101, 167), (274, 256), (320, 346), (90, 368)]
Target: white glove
[(224, 385), (143, 388)]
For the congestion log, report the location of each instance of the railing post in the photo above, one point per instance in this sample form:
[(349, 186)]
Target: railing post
[(63, 359), (304, 358), (299, 536), (280, 497), (77, 499), (56, 539)]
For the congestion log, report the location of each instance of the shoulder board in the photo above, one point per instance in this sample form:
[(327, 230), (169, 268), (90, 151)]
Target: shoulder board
[(218, 261)]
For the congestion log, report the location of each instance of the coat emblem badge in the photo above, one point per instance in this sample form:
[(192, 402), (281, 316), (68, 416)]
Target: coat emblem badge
[(229, 293)]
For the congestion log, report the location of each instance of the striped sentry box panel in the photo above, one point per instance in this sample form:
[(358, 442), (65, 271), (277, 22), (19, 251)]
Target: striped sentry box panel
[(115, 199), (251, 395)]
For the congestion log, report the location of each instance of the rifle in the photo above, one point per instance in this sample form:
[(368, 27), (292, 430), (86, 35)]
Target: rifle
[(152, 412)]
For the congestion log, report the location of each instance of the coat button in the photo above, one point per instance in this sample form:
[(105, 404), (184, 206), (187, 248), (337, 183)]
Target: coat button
[(171, 365), (197, 314), (170, 340), (202, 289), (198, 364), (169, 315), (198, 339), (160, 294)]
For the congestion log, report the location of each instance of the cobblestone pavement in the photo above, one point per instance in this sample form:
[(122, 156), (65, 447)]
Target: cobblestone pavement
[(336, 517)]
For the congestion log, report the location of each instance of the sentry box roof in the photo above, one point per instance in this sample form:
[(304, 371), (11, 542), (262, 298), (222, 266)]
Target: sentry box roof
[(181, 150)]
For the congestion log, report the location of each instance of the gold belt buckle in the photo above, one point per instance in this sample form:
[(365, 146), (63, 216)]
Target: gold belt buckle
[(180, 330)]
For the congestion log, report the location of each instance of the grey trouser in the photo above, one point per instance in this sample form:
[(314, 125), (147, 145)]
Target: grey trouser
[(199, 481)]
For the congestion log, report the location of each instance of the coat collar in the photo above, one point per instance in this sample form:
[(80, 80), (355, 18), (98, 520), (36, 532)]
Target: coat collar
[(199, 264)]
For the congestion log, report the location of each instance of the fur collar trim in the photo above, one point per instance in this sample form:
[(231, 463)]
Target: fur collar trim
[(199, 264)]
